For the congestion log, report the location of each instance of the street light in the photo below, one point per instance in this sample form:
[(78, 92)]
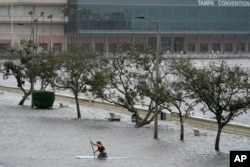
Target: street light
[(157, 73)]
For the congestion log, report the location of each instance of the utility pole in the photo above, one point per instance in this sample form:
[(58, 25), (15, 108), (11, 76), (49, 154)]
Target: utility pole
[(157, 74)]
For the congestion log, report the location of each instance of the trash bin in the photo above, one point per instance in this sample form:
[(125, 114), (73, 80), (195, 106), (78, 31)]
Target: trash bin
[(133, 118), (163, 116)]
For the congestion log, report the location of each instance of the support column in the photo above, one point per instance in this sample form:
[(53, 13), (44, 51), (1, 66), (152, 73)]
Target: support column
[(247, 44), (185, 44), (197, 50), (118, 42), (223, 44), (235, 44), (172, 44), (133, 39), (211, 44), (106, 44), (93, 42)]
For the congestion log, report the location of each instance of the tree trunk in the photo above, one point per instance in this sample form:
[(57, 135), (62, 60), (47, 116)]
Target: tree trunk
[(77, 106), (217, 140), (145, 121), (142, 122), (23, 99), (182, 128), (26, 94)]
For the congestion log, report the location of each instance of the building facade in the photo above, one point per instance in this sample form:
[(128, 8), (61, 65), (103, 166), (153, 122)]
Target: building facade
[(39, 20), (186, 26)]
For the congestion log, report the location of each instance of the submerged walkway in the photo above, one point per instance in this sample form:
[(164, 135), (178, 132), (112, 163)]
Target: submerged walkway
[(233, 128), (38, 138)]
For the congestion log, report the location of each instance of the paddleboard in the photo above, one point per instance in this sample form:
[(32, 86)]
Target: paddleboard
[(95, 157)]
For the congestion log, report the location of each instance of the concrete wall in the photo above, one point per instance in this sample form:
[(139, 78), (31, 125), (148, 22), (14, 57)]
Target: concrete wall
[(212, 124)]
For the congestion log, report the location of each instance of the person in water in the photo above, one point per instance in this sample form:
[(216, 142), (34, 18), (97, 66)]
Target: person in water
[(101, 149)]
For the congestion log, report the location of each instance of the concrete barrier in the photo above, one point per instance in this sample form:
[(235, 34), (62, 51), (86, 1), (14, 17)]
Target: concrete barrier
[(233, 128), (194, 121)]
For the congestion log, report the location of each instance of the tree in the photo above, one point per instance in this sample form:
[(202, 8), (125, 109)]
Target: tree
[(64, 10), (50, 34), (121, 89), (76, 70), (132, 82), (223, 90), (31, 25), (29, 68), (175, 96), (42, 15)]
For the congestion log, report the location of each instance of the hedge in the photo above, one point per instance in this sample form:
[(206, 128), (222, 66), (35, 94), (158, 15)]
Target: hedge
[(43, 99)]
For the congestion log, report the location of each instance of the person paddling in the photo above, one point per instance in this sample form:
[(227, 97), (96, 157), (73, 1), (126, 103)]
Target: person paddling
[(101, 149)]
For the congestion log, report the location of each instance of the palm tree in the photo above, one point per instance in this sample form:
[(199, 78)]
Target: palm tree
[(50, 41), (36, 24), (31, 25), (42, 15), (65, 10)]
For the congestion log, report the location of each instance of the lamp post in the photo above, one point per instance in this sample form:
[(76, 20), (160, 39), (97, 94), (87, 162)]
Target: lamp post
[(156, 74)]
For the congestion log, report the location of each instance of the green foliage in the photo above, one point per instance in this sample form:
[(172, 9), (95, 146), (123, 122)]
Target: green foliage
[(79, 71), (30, 67), (97, 82), (43, 99), (12, 68), (224, 90)]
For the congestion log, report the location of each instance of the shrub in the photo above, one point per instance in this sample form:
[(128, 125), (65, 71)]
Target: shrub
[(43, 99)]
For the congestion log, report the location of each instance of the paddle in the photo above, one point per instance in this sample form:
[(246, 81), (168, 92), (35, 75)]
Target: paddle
[(92, 146)]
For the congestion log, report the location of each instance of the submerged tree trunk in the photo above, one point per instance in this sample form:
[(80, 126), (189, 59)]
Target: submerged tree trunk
[(145, 121), (182, 128), (77, 106), (142, 122), (217, 140), (26, 94)]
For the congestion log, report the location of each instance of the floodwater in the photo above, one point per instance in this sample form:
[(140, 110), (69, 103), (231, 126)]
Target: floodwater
[(44, 138)]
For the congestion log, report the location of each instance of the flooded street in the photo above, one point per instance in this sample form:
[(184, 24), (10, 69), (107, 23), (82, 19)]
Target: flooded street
[(43, 138)]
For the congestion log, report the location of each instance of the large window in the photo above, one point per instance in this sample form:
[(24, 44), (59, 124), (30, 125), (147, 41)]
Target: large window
[(204, 47), (165, 44), (191, 47), (240, 47), (216, 47), (113, 47), (228, 47), (99, 47), (44, 45), (57, 47), (172, 18)]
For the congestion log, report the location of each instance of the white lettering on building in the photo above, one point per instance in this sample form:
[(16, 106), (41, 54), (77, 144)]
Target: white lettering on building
[(223, 3), (206, 2), (234, 3)]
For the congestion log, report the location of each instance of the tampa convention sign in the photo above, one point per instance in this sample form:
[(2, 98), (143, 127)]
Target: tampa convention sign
[(225, 3)]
